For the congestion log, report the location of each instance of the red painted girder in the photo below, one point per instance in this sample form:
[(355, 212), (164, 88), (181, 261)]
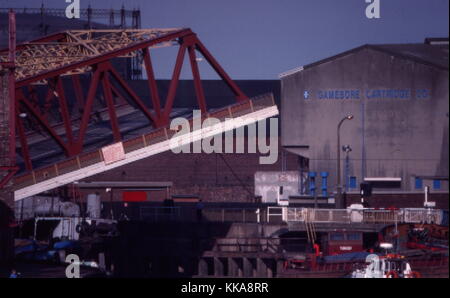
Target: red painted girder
[(78, 90), (87, 110), (13, 170), (42, 120), (110, 104), (240, 96), (174, 83), (64, 110), (134, 96), (156, 101), (197, 81)]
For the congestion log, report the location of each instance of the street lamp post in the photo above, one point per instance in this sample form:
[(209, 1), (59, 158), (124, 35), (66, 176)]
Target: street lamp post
[(347, 149), (338, 174)]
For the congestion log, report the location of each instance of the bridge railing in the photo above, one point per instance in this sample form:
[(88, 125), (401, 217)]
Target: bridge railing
[(327, 215), (375, 216), (382, 216), (418, 215), (275, 214)]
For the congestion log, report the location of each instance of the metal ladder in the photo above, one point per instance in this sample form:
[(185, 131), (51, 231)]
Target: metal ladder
[(310, 231)]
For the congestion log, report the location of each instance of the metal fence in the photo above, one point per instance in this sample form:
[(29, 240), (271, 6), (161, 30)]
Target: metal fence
[(327, 215), (418, 215), (276, 214), (289, 214), (157, 214), (382, 216)]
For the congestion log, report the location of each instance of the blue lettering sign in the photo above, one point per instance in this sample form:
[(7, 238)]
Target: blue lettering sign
[(388, 93), (338, 94), (422, 93), (369, 94)]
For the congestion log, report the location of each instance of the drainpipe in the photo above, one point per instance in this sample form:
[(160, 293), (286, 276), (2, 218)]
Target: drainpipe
[(363, 141), (324, 183), (312, 183)]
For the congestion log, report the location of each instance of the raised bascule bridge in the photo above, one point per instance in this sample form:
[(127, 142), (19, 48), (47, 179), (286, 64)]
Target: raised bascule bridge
[(101, 107)]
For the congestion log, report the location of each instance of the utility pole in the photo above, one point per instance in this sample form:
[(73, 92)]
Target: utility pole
[(347, 149)]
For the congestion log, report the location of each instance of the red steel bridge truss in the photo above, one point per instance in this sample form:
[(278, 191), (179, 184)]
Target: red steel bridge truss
[(66, 56)]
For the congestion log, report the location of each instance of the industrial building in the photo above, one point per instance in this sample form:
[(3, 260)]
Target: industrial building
[(398, 138)]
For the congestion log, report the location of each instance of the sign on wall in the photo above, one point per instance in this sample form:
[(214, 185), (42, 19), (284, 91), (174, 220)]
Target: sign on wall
[(113, 153), (378, 93)]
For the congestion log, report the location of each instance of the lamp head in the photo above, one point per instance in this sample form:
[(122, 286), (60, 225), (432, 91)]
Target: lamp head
[(346, 148)]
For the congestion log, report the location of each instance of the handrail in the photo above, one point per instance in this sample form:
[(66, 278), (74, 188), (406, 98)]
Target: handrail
[(374, 216), (277, 214)]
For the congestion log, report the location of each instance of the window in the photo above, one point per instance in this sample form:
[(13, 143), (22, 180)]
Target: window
[(437, 184), (418, 183), (352, 182), (354, 236), (336, 236)]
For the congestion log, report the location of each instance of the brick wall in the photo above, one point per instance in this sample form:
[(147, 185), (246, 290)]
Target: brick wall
[(209, 176)]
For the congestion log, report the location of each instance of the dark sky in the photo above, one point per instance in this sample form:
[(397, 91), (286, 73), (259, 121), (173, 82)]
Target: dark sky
[(258, 39)]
